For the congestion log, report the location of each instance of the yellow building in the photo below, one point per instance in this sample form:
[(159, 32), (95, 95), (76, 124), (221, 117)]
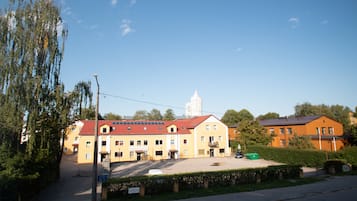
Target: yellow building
[(71, 140), (131, 140)]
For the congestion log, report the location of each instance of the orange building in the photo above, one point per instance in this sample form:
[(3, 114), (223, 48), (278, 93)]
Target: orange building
[(325, 133)]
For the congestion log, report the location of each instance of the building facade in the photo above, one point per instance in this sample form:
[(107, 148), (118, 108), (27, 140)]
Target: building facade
[(131, 140), (325, 133)]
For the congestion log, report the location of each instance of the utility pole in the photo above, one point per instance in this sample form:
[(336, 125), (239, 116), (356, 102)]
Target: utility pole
[(95, 155)]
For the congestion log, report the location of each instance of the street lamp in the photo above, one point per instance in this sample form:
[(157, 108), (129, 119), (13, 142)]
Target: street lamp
[(95, 155)]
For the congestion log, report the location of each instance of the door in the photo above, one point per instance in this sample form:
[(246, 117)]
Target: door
[(211, 152), (138, 156)]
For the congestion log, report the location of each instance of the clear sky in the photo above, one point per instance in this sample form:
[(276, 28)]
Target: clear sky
[(259, 55)]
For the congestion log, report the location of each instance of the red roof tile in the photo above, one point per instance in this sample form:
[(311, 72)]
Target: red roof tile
[(142, 127)]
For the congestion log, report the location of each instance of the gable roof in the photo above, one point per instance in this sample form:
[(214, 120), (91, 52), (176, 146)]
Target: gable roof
[(142, 127), (285, 121)]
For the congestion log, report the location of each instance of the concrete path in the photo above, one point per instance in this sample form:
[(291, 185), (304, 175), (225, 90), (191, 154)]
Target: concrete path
[(75, 183)]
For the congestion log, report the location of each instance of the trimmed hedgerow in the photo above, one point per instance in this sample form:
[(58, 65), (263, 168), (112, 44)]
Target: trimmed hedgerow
[(117, 187)]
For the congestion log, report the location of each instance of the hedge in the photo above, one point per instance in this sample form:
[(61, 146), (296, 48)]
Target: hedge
[(308, 158), (150, 185)]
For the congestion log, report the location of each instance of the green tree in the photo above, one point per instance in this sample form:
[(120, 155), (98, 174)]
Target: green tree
[(155, 114), (112, 116), (33, 100), (83, 97), (230, 118), (141, 115), (300, 142), (336, 112), (352, 137), (245, 115), (169, 115), (269, 115), (252, 133)]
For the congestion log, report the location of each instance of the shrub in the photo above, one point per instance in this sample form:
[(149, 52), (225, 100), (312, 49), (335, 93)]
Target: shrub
[(334, 165)]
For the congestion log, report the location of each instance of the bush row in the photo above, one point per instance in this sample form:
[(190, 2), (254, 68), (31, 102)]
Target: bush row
[(309, 158), (117, 187)]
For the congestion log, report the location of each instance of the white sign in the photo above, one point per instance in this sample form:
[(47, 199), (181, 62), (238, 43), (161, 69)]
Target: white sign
[(133, 190)]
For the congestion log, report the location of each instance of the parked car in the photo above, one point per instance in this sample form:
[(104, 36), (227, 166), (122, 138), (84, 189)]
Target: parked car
[(239, 154), (154, 172)]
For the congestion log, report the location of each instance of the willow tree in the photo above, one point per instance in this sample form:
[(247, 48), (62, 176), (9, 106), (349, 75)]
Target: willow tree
[(84, 96), (32, 39)]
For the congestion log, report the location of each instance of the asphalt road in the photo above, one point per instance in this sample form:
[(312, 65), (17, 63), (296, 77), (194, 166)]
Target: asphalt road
[(334, 188)]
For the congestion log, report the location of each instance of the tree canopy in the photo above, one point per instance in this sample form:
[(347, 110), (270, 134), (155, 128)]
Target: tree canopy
[(337, 112), (269, 115), (232, 117), (34, 107), (252, 133)]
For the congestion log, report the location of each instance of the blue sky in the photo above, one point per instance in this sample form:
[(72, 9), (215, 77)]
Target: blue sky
[(263, 56)]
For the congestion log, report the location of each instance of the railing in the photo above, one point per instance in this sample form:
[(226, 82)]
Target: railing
[(213, 144)]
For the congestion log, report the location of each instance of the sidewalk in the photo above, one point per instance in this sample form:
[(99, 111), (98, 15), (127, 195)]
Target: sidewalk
[(334, 188), (75, 183)]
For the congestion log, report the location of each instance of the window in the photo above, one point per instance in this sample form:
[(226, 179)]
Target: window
[(138, 143), (145, 142), (185, 141), (202, 139), (211, 139), (131, 154), (317, 131), (282, 143), (214, 127), (271, 130), (201, 152), (104, 130), (172, 129), (158, 153), (104, 143), (323, 130), (290, 131), (87, 156), (118, 154), (88, 144), (172, 141), (207, 127), (158, 142), (221, 151), (282, 131), (330, 131), (220, 138), (131, 142), (119, 142), (76, 139)]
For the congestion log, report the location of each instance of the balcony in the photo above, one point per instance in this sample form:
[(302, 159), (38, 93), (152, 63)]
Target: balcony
[(213, 144)]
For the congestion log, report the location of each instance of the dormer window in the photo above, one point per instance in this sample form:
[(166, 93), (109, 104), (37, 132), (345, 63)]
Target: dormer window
[(172, 129), (104, 130)]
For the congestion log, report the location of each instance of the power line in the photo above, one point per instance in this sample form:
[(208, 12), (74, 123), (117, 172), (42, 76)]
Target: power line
[(152, 103)]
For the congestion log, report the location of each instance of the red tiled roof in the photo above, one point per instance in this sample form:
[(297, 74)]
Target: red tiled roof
[(142, 127)]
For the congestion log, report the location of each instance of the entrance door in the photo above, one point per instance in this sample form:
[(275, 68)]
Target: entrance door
[(211, 152), (172, 155), (103, 156), (138, 156)]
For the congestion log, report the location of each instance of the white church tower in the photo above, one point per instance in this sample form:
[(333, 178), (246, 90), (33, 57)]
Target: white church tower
[(194, 107)]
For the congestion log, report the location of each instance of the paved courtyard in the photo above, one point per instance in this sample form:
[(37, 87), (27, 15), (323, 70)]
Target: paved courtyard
[(125, 169)]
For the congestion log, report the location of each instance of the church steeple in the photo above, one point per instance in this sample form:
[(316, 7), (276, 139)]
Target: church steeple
[(194, 107)]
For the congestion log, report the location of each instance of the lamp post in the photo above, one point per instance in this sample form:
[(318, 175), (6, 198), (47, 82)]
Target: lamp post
[(95, 155)]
